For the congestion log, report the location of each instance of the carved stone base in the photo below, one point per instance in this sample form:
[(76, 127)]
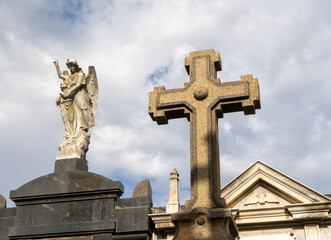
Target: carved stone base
[(70, 152), (204, 224), (74, 147)]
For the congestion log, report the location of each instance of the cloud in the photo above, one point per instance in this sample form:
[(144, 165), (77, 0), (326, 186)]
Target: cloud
[(137, 45)]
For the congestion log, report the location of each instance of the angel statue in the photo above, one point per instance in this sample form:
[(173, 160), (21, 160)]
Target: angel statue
[(78, 103)]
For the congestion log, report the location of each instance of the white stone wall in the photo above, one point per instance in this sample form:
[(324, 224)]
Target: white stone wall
[(274, 234), (325, 232)]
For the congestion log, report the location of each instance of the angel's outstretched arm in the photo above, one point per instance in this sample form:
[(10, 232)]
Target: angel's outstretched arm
[(59, 73)]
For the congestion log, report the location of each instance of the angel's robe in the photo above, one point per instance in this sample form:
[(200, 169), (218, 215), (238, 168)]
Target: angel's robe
[(76, 109)]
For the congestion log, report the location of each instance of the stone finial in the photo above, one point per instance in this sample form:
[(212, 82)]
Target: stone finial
[(143, 189), (173, 204)]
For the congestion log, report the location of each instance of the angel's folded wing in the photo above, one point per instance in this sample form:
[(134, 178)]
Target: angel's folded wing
[(92, 90)]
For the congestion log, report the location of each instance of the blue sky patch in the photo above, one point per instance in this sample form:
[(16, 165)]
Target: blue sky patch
[(158, 74)]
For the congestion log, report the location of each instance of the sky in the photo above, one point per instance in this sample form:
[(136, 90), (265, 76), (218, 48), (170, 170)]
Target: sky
[(136, 45)]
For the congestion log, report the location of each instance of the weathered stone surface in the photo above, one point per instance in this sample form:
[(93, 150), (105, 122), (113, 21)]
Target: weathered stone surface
[(7, 220), (132, 220), (279, 190), (74, 164), (65, 203), (73, 204), (103, 236), (3, 202), (300, 213), (202, 101), (133, 236), (204, 224), (78, 101), (77, 205), (65, 184), (143, 189)]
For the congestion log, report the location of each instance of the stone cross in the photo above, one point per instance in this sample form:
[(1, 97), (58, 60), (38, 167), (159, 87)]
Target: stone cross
[(202, 101)]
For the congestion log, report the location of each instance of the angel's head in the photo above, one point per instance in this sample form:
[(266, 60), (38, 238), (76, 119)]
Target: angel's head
[(73, 66)]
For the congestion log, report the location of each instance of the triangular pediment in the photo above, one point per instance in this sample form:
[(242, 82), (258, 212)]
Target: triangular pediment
[(261, 186), (261, 195)]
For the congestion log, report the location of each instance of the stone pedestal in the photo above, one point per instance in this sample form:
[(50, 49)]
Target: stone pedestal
[(74, 204), (204, 224), (73, 164), (70, 202)]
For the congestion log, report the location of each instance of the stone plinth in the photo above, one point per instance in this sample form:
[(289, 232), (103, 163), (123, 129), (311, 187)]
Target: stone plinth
[(74, 204), (204, 224), (73, 164), (66, 203)]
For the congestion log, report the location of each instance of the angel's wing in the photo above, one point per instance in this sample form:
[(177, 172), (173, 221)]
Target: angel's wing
[(92, 90)]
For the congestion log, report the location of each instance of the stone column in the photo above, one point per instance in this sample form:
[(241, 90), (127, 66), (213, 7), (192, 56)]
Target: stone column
[(173, 204)]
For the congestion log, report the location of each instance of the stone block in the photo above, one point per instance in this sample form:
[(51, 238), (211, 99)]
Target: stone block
[(204, 224), (74, 164), (7, 220), (132, 220), (66, 203), (134, 236)]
